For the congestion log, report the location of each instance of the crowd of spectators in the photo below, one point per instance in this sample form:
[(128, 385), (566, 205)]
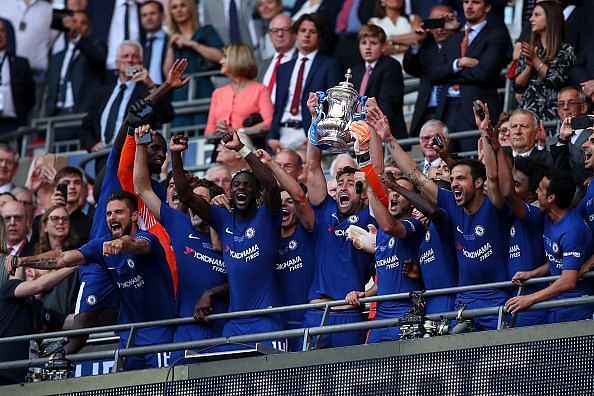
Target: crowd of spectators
[(265, 226)]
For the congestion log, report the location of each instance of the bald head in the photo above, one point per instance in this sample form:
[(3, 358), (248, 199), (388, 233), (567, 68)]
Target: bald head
[(280, 33)]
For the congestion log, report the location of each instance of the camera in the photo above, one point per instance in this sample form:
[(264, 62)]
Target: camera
[(131, 71), (63, 189), (434, 23), (58, 367), (582, 122), (415, 325)]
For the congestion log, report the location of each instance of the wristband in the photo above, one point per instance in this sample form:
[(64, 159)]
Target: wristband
[(562, 141), (14, 263), (244, 151), (540, 66), (363, 159)]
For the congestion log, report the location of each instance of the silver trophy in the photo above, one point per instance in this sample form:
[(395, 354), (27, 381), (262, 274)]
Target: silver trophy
[(330, 131)]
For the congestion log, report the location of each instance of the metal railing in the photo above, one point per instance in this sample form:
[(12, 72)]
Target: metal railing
[(306, 333)]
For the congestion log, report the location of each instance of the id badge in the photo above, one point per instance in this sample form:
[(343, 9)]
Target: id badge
[(22, 26)]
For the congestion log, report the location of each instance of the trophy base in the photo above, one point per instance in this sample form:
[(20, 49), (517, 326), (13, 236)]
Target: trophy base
[(334, 145)]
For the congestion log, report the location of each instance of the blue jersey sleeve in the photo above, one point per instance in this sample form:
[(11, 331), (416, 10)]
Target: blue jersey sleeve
[(171, 217), (415, 230), (150, 238), (532, 215), (445, 200), (217, 218), (574, 250), (93, 251)]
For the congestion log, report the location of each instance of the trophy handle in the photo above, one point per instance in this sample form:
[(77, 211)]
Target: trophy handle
[(312, 133), (361, 115)]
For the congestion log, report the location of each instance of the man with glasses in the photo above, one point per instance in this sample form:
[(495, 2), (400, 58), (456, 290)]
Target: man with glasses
[(426, 140), (17, 228), (9, 164), (568, 152), (283, 41)]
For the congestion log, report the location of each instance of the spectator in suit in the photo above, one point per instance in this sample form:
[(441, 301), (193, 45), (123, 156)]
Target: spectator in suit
[(380, 76), (582, 73), (16, 85), (545, 62), (352, 16), (428, 131), (469, 68), (76, 72), (155, 39), (15, 217), (27, 198), (9, 165), (60, 37), (267, 11), (10, 37), (310, 71), (400, 27), (101, 124), (232, 20), (114, 21), (524, 126), (327, 11), (418, 60), (283, 41), (496, 15), (568, 153), (200, 45)]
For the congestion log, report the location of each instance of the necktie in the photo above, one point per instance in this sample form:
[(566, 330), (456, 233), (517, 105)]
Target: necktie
[(342, 21), (464, 43), (112, 117), (148, 51), (272, 81), (64, 82), (234, 34), (127, 21), (365, 80), (298, 87), (426, 167)]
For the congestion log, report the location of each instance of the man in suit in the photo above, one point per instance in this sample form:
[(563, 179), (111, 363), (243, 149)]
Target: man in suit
[(114, 21), (233, 20), (101, 124), (582, 73), (469, 69), (568, 152), (76, 72), (524, 126), (380, 76), (310, 71), (283, 41), (17, 88), (155, 39), (418, 61), (17, 226)]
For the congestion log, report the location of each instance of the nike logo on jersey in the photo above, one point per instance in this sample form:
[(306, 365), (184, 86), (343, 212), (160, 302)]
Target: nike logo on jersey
[(459, 230), (228, 231), (192, 236)]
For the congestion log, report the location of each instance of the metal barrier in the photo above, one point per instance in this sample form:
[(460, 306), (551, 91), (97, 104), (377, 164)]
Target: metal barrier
[(294, 333)]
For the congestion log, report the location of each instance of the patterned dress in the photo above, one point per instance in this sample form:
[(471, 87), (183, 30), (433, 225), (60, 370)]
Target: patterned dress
[(540, 95)]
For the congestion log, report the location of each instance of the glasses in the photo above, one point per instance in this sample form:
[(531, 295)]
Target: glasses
[(27, 203), (569, 103), (503, 131), (57, 219), (279, 30), (15, 218)]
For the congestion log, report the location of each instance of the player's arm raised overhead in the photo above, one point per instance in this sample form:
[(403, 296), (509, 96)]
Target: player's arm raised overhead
[(409, 167), (316, 182), (303, 209), (142, 178), (186, 196)]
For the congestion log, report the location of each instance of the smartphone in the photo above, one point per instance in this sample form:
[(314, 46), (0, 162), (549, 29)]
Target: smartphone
[(359, 187), (63, 189), (131, 71), (438, 141), (147, 138), (146, 111), (479, 110), (434, 23), (582, 122)]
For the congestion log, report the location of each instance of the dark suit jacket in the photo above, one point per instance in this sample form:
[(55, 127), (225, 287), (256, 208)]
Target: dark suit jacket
[(327, 12), (583, 69), (570, 157), (163, 53), (22, 86), (86, 75), (543, 156), (489, 47), (386, 84), (90, 132), (419, 65), (101, 13), (323, 74)]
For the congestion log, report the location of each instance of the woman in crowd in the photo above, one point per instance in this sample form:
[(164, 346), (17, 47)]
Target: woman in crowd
[(545, 62), (503, 129), (243, 101), (4, 251), (399, 27), (200, 45), (55, 234)]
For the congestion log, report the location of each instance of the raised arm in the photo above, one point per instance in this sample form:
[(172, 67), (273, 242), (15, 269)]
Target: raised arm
[(262, 172), (316, 181), (186, 196), (507, 187), (303, 209), (142, 179), (408, 166), (53, 260), (429, 209), (490, 146)]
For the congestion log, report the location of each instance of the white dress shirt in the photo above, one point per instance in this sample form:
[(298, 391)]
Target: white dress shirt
[(6, 102), (117, 30), (287, 56), (287, 111), (121, 113)]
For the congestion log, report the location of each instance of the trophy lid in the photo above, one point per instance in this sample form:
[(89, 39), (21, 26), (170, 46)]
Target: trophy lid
[(345, 86)]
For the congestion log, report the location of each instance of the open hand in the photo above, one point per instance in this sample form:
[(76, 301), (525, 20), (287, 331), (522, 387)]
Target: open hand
[(175, 75)]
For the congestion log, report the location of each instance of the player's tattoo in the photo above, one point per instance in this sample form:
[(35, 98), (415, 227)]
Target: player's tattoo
[(417, 178), (40, 263)]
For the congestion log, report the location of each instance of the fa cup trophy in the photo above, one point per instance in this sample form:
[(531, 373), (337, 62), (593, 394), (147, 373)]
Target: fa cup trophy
[(330, 131)]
